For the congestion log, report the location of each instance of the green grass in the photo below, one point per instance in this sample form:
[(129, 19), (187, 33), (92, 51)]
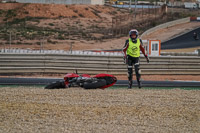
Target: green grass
[(112, 87), (184, 88), (17, 86)]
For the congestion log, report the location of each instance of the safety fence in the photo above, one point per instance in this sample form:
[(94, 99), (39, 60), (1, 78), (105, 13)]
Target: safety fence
[(11, 64), (88, 52)]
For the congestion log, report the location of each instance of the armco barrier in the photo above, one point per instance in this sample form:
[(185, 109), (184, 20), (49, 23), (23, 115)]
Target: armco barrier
[(93, 64), (194, 18)]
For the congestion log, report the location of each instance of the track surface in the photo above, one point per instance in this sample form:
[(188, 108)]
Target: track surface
[(182, 41), (43, 81)]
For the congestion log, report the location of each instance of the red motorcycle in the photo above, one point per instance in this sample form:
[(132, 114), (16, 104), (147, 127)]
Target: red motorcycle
[(85, 81)]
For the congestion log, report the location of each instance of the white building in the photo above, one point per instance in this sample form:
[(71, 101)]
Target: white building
[(89, 2)]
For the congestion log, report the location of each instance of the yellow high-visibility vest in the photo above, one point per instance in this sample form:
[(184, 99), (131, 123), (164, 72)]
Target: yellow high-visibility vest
[(133, 48)]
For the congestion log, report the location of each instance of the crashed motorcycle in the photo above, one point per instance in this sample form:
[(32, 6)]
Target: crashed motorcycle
[(85, 81)]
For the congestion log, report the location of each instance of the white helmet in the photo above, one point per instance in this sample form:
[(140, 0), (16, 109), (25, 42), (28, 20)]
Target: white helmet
[(133, 31)]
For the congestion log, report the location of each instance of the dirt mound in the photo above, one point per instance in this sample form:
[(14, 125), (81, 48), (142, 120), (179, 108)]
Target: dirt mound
[(10, 6), (56, 10), (62, 23)]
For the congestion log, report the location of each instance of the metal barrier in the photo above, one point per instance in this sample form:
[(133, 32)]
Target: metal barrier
[(93, 64)]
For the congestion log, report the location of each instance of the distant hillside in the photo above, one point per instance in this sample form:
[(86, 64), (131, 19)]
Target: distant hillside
[(55, 11), (28, 23), (60, 26)]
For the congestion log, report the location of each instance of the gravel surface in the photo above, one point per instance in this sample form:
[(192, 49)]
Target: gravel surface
[(33, 109)]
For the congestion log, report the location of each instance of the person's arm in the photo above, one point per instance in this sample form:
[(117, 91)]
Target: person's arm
[(143, 51), (124, 51)]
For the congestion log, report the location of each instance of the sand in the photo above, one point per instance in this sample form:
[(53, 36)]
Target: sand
[(33, 109)]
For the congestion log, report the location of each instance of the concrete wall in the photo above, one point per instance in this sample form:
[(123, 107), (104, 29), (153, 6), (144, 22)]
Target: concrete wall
[(92, 2), (97, 2)]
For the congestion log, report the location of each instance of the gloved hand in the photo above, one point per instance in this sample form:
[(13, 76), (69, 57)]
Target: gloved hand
[(147, 58), (125, 59)]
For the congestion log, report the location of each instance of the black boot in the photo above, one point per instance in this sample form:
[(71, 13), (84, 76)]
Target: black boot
[(139, 83), (130, 84), (130, 76)]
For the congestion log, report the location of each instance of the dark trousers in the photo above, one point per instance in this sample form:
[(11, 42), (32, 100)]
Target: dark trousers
[(136, 62)]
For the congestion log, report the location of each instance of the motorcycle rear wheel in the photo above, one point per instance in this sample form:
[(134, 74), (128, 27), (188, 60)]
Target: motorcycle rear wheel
[(94, 84), (55, 85)]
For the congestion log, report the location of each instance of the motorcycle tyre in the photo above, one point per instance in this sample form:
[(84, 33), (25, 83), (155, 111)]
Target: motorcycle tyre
[(55, 85), (196, 38), (94, 85)]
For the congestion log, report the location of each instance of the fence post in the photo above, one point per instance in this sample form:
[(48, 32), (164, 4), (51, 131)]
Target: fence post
[(198, 52)]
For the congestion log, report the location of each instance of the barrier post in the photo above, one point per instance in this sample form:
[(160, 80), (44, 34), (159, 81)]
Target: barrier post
[(198, 52)]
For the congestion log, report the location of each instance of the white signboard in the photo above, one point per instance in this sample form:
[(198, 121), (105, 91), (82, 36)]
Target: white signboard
[(154, 47)]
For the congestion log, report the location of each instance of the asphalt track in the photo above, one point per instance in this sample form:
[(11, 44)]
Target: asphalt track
[(45, 81), (183, 41)]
